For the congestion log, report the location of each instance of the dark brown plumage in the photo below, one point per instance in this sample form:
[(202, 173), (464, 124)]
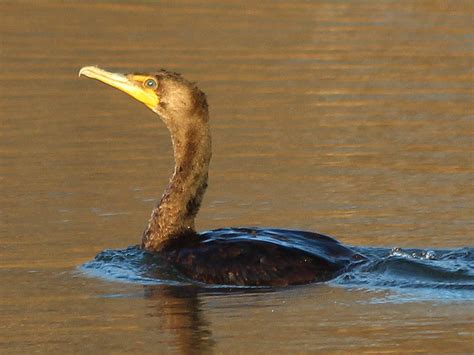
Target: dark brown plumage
[(234, 256), (259, 257)]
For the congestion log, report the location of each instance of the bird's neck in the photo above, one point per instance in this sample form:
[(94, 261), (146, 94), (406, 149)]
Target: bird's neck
[(174, 216)]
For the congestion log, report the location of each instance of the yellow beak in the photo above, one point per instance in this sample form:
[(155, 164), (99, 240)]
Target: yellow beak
[(130, 84)]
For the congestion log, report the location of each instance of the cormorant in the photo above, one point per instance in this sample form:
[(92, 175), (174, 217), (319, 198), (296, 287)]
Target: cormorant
[(228, 256)]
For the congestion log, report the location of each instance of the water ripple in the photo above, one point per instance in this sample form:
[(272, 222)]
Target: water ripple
[(409, 274)]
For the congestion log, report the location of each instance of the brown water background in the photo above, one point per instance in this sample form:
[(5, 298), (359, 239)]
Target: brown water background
[(351, 118)]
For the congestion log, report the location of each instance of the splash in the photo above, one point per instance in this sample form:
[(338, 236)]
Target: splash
[(410, 275)]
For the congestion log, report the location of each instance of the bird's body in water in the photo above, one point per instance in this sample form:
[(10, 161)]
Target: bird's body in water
[(230, 256)]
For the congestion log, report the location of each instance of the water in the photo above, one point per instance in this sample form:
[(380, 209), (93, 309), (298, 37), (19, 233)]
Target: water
[(350, 118)]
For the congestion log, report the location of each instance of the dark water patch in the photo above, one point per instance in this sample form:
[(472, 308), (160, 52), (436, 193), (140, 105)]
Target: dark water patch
[(132, 265), (408, 274), (414, 274)]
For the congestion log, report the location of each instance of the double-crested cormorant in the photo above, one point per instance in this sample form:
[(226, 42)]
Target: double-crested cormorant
[(230, 256)]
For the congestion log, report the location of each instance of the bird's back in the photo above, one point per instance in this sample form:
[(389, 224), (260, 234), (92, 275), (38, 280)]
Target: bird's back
[(260, 257)]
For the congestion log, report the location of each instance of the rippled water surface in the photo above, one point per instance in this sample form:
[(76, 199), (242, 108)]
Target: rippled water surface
[(406, 274), (350, 118)]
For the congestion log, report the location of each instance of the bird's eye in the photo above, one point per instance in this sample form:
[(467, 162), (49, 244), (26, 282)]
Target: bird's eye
[(151, 83)]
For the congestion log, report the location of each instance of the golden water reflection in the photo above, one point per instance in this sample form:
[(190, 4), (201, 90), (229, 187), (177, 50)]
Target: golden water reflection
[(352, 118)]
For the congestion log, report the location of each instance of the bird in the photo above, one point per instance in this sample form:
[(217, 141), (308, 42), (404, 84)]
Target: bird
[(230, 256)]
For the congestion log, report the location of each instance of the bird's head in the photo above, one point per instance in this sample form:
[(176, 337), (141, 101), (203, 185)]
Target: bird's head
[(169, 95)]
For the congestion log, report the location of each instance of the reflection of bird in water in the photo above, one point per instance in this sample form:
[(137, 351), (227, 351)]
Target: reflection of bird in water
[(181, 322), (232, 256)]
